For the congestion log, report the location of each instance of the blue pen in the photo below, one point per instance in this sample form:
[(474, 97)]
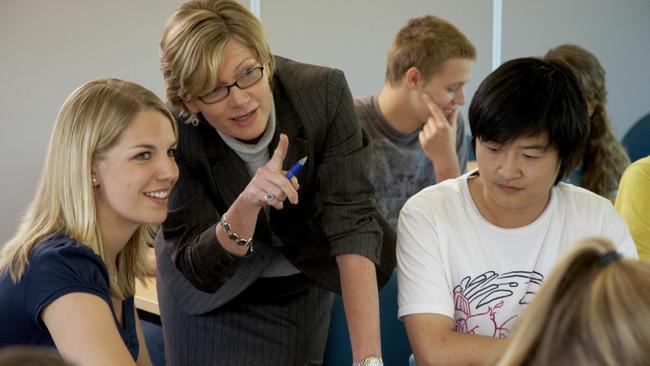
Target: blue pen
[(296, 168)]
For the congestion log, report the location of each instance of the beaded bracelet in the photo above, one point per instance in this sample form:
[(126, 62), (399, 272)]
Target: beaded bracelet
[(233, 236)]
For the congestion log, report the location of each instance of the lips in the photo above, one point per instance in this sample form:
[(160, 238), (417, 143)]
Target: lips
[(245, 119), (159, 196), (509, 189)]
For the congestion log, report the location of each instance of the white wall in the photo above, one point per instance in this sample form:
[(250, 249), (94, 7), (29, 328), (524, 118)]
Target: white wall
[(617, 32), (354, 36), (48, 48)]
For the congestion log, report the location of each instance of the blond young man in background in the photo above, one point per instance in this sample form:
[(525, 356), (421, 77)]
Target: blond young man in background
[(429, 60)]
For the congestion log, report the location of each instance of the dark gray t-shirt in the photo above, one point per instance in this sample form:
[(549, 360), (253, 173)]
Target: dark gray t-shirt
[(399, 167)]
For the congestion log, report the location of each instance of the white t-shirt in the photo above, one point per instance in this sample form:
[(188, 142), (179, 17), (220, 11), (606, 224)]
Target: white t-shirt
[(452, 261)]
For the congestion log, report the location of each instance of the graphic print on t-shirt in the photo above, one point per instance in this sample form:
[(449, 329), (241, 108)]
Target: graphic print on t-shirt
[(478, 300)]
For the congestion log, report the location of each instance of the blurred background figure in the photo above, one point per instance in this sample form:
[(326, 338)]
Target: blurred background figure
[(416, 145), (633, 203), (592, 310), (30, 356), (604, 159)]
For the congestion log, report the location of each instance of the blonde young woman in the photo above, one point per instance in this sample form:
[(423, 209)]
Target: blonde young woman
[(593, 310), (604, 158), (67, 276)]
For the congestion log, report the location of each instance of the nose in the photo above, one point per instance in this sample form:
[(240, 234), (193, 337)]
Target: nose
[(168, 169), (459, 97), (509, 167), (238, 97)]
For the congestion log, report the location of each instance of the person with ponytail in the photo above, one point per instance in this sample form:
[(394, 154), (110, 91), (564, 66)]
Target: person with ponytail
[(592, 310), (603, 158)]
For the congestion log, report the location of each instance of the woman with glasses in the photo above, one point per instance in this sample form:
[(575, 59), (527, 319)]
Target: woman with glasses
[(250, 253)]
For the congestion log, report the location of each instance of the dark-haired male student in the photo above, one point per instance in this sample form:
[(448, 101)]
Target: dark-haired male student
[(473, 251)]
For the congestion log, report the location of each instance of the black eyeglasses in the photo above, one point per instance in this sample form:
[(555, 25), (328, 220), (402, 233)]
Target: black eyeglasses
[(248, 79)]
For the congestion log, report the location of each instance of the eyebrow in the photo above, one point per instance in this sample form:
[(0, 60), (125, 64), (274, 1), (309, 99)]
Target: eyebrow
[(542, 147), (150, 146), (238, 70)]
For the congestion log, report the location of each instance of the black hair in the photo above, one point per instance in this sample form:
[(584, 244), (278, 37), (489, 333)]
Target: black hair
[(526, 97)]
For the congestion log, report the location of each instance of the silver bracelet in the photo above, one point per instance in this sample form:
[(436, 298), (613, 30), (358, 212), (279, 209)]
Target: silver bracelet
[(233, 236), (370, 361)]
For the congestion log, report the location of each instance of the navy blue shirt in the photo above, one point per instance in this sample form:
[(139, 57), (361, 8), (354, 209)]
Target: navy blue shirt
[(57, 266)]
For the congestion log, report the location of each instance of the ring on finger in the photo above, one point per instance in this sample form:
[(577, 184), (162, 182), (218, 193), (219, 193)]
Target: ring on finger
[(268, 197)]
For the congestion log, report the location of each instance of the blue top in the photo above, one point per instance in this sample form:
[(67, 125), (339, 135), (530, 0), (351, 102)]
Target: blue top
[(57, 266)]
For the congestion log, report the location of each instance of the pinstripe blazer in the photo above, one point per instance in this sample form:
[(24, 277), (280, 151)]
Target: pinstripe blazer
[(336, 213)]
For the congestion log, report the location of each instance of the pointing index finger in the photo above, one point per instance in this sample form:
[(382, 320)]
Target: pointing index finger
[(280, 152)]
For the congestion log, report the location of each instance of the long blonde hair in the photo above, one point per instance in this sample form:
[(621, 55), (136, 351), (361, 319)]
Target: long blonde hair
[(604, 157), (89, 123), (592, 310)]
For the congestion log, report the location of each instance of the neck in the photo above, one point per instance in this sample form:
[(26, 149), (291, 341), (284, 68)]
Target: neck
[(114, 239), (394, 104)]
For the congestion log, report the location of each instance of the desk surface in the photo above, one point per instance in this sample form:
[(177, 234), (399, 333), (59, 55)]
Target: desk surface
[(146, 297)]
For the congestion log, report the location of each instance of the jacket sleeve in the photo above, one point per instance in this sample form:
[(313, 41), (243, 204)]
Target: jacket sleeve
[(347, 196), (190, 230)]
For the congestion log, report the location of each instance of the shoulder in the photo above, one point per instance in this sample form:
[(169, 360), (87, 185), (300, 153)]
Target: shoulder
[(579, 198), (60, 258), (58, 266), (363, 104), (293, 75), (638, 171), (438, 196), (633, 190), (588, 210), (60, 245), (364, 108)]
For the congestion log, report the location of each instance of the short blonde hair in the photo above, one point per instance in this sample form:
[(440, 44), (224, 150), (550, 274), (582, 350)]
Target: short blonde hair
[(592, 310), (193, 45), (426, 43), (89, 123)]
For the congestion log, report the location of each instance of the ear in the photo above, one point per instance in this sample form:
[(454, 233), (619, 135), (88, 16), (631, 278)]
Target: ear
[(191, 106), (412, 78), (591, 108), (94, 178)]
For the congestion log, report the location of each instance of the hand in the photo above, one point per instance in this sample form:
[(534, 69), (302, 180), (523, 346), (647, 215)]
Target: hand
[(269, 185), (438, 135)]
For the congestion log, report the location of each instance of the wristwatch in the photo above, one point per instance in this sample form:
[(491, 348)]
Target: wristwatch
[(370, 361)]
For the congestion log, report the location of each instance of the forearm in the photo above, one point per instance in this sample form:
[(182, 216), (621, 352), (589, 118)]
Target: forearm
[(209, 258), (361, 303), (242, 218), (453, 348)]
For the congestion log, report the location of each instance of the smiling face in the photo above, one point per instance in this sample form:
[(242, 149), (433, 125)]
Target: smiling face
[(133, 178), (244, 114), (446, 87), (515, 179)]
